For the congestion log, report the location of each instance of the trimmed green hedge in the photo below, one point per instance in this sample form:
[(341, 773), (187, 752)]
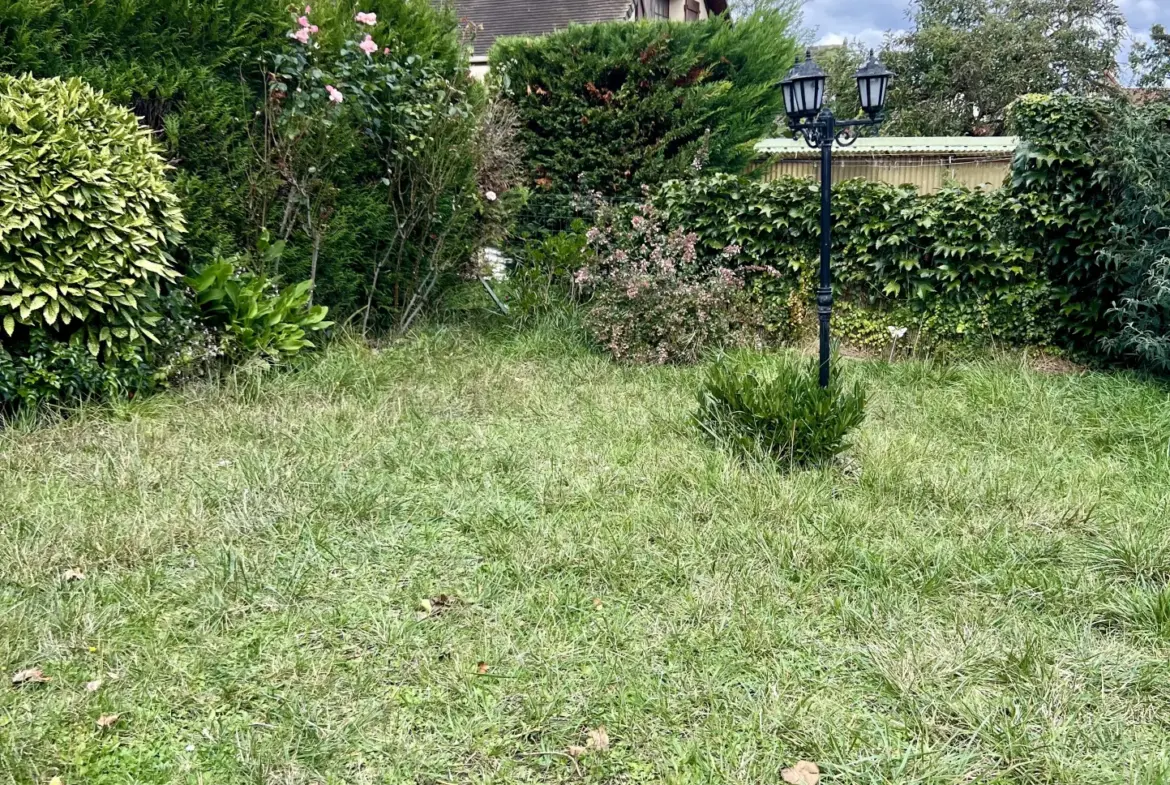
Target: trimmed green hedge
[(613, 107)]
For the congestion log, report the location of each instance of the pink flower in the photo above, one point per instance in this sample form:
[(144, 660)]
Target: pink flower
[(301, 35), (313, 28), (386, 51), (368, 46), (308, 9), (334, 94), (303, 21), (366, 18)]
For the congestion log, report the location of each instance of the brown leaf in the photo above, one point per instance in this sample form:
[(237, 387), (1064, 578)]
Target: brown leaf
[(72, 575), (56, 781), (597, 603), (30, 676), (481, 667), (436, 605), (598, 739), (93, 686), (107, 720), (803, 773), (576, 751)]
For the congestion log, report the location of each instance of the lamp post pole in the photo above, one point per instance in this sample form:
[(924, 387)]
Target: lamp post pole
[(804, 97), (825, 287)]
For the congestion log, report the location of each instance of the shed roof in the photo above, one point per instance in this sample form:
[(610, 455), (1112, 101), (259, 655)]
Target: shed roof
[(999, 146)]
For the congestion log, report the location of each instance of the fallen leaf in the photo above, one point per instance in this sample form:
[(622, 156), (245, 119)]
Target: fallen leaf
[(30, 676), (482, 667), (436, 605), (597, 602), (72, 575), (56, 781), (93, 686), (576, 751), (803, 773), (598, 739), (107, 720)]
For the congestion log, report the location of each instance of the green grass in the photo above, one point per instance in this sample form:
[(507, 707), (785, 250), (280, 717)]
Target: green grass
[(980, 595)]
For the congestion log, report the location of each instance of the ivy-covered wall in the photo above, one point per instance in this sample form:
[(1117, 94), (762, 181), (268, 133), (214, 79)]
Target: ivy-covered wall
[(947, 265)]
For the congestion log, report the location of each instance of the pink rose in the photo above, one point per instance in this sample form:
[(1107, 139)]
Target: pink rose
[(301, 35), (308, 9), (334, 94), (303, 21), (366, 18), (386, 51), (368, 46), (313, 28)]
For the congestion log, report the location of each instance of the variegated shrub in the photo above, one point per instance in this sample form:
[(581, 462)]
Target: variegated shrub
[(87, 217)]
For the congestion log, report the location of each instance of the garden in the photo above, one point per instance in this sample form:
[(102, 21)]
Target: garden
[(364, 422)]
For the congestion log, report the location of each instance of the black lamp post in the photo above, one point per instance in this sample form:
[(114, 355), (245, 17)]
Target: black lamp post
[(804, 99)]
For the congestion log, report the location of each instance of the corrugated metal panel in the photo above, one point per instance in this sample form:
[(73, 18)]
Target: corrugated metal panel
[(996, 146), (928, 173)]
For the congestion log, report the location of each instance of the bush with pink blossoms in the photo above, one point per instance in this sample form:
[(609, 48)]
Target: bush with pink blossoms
[(649, 301)]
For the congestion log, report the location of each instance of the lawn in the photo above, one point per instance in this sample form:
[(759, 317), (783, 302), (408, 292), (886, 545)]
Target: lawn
[(448, 561)]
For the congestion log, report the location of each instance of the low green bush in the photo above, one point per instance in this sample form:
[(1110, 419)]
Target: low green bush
[(257, 321), (777, 408)]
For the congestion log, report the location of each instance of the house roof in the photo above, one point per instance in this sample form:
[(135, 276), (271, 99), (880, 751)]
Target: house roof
[(496, 18), (997, 146)]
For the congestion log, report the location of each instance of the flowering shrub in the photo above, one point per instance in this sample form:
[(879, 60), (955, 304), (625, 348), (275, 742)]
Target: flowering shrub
[(331, 106), (650, 302)]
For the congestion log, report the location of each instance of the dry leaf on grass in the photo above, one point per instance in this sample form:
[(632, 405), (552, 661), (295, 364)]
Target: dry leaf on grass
[(56, 781), (597, 603), (93, 686), (436, 605), (596, 741), (107, 720), (72, 575), (30, 676), (803, 773), (481, 667)]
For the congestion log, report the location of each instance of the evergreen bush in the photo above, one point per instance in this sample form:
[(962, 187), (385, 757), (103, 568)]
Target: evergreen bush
[(612, 107), (776, 408)]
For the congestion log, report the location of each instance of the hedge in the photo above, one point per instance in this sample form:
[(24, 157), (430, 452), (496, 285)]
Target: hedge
[(612, 107)]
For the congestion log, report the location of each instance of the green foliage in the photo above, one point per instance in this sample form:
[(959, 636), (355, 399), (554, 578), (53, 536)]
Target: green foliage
[(1139, 242), (88, 218), (257, 320), (613, 107), (44, 369), (1150, 60), (539, 281), (777, 409), (192, 72), (964, 61), (945, 264), (1065, 207)]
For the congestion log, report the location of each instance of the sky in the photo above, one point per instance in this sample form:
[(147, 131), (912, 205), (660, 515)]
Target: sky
[(832, 21)]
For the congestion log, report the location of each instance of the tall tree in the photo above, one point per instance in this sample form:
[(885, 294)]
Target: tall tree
[(964, 61), (1150, 61)]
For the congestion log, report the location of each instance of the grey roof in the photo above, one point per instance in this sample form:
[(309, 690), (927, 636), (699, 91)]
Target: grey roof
[(496, 18), (999, 146)]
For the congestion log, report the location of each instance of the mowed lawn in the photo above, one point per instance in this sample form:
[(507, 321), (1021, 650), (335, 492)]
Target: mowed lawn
[(448, 561)]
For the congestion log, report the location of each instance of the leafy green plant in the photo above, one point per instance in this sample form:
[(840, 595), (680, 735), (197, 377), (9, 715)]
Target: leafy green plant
[(613, 107), (257, 320), (777, 409), (88, 218), (540, 280)]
